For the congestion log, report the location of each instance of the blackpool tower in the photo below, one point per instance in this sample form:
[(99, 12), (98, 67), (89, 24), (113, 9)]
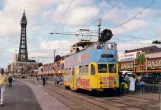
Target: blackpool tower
[(23, 54)]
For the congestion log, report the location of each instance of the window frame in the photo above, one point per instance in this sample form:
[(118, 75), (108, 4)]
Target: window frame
[(112, 70), (106, 68)]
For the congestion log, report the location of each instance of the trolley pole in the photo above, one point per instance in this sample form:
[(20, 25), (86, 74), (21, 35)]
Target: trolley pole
[(99, 28)]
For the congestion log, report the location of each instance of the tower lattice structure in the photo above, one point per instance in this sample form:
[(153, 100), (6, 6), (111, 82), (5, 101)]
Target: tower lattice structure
[(23, 53)]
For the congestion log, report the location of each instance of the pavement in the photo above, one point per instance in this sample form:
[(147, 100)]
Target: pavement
[(19, 97), (46, 101)]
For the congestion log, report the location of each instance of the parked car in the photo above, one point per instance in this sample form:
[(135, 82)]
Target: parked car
[(129, 73)]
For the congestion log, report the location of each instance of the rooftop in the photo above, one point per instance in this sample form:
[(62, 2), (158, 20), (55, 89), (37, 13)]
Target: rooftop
[(149, 49)]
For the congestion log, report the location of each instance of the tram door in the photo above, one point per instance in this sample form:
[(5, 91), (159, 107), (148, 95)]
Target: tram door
[(73, 77)]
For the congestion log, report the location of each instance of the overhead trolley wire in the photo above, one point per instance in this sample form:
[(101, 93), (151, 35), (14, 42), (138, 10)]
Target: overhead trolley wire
[(60, 20), (135, 15), (106, 13)]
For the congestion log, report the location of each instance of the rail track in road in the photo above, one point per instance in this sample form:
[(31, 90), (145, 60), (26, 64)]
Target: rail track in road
[(83, 101), (76, 100)]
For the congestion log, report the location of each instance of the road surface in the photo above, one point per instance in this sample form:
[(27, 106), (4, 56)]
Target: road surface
[(19, 97)]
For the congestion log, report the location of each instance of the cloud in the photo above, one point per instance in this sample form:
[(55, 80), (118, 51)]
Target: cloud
[(81, 12), (39, 54), (132, 26), (12, 11), (158, 33), (62, 46)]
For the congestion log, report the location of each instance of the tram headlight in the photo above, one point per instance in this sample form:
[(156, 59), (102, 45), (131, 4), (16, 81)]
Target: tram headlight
[(101, 82)]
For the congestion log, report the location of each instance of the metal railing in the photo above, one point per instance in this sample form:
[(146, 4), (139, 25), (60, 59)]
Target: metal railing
[(150, 86)]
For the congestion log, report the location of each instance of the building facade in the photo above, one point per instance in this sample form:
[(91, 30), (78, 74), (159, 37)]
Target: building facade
[(143, 60)]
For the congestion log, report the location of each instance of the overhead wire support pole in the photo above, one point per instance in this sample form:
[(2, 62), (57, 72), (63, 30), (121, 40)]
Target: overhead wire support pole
[(99, 29), (54, 53)]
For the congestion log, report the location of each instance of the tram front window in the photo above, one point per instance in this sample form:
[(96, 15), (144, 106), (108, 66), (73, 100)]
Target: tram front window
[(112, 68), (102, 68)]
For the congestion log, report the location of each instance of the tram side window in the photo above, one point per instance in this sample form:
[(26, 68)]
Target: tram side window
[(80, 70), (73, 71), (87, 69), (102, 68), (69, 71), (65, 72), (93, 71), (112, 68), (84, 70)]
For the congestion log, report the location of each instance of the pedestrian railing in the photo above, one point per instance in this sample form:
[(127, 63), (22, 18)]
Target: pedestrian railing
[(150, 87)]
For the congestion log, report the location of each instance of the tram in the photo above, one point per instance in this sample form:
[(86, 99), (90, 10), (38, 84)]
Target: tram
[(92, 66)]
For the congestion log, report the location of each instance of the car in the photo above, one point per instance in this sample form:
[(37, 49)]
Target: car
[(129, 73)]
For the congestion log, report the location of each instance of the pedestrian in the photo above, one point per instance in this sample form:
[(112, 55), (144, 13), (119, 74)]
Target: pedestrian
[(138, 79), (43, 80), (124, 87), (46, 78), (142, 86), (57, 80), (120, 81), (132, 84), (126, 78), (10, 79), (37, 80), (3, 84)]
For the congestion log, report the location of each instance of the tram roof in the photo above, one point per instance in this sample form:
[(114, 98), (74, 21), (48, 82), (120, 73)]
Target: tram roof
[(82, 43)]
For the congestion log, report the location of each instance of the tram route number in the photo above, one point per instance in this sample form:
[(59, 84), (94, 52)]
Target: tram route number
[(84, 82)]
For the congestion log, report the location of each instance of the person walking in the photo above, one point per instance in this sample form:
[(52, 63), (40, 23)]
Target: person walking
[(126, 78), (10, 79), (142, 86), (43, 80), (37, 79), (124, 87), (132, 84), (120, 81), (3, 84)]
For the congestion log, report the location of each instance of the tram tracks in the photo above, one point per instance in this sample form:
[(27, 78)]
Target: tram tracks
[(103, 102), (83, 104), (82, 101)]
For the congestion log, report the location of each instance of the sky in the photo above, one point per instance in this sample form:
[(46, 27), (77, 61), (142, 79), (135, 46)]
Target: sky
[(44, 15)]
